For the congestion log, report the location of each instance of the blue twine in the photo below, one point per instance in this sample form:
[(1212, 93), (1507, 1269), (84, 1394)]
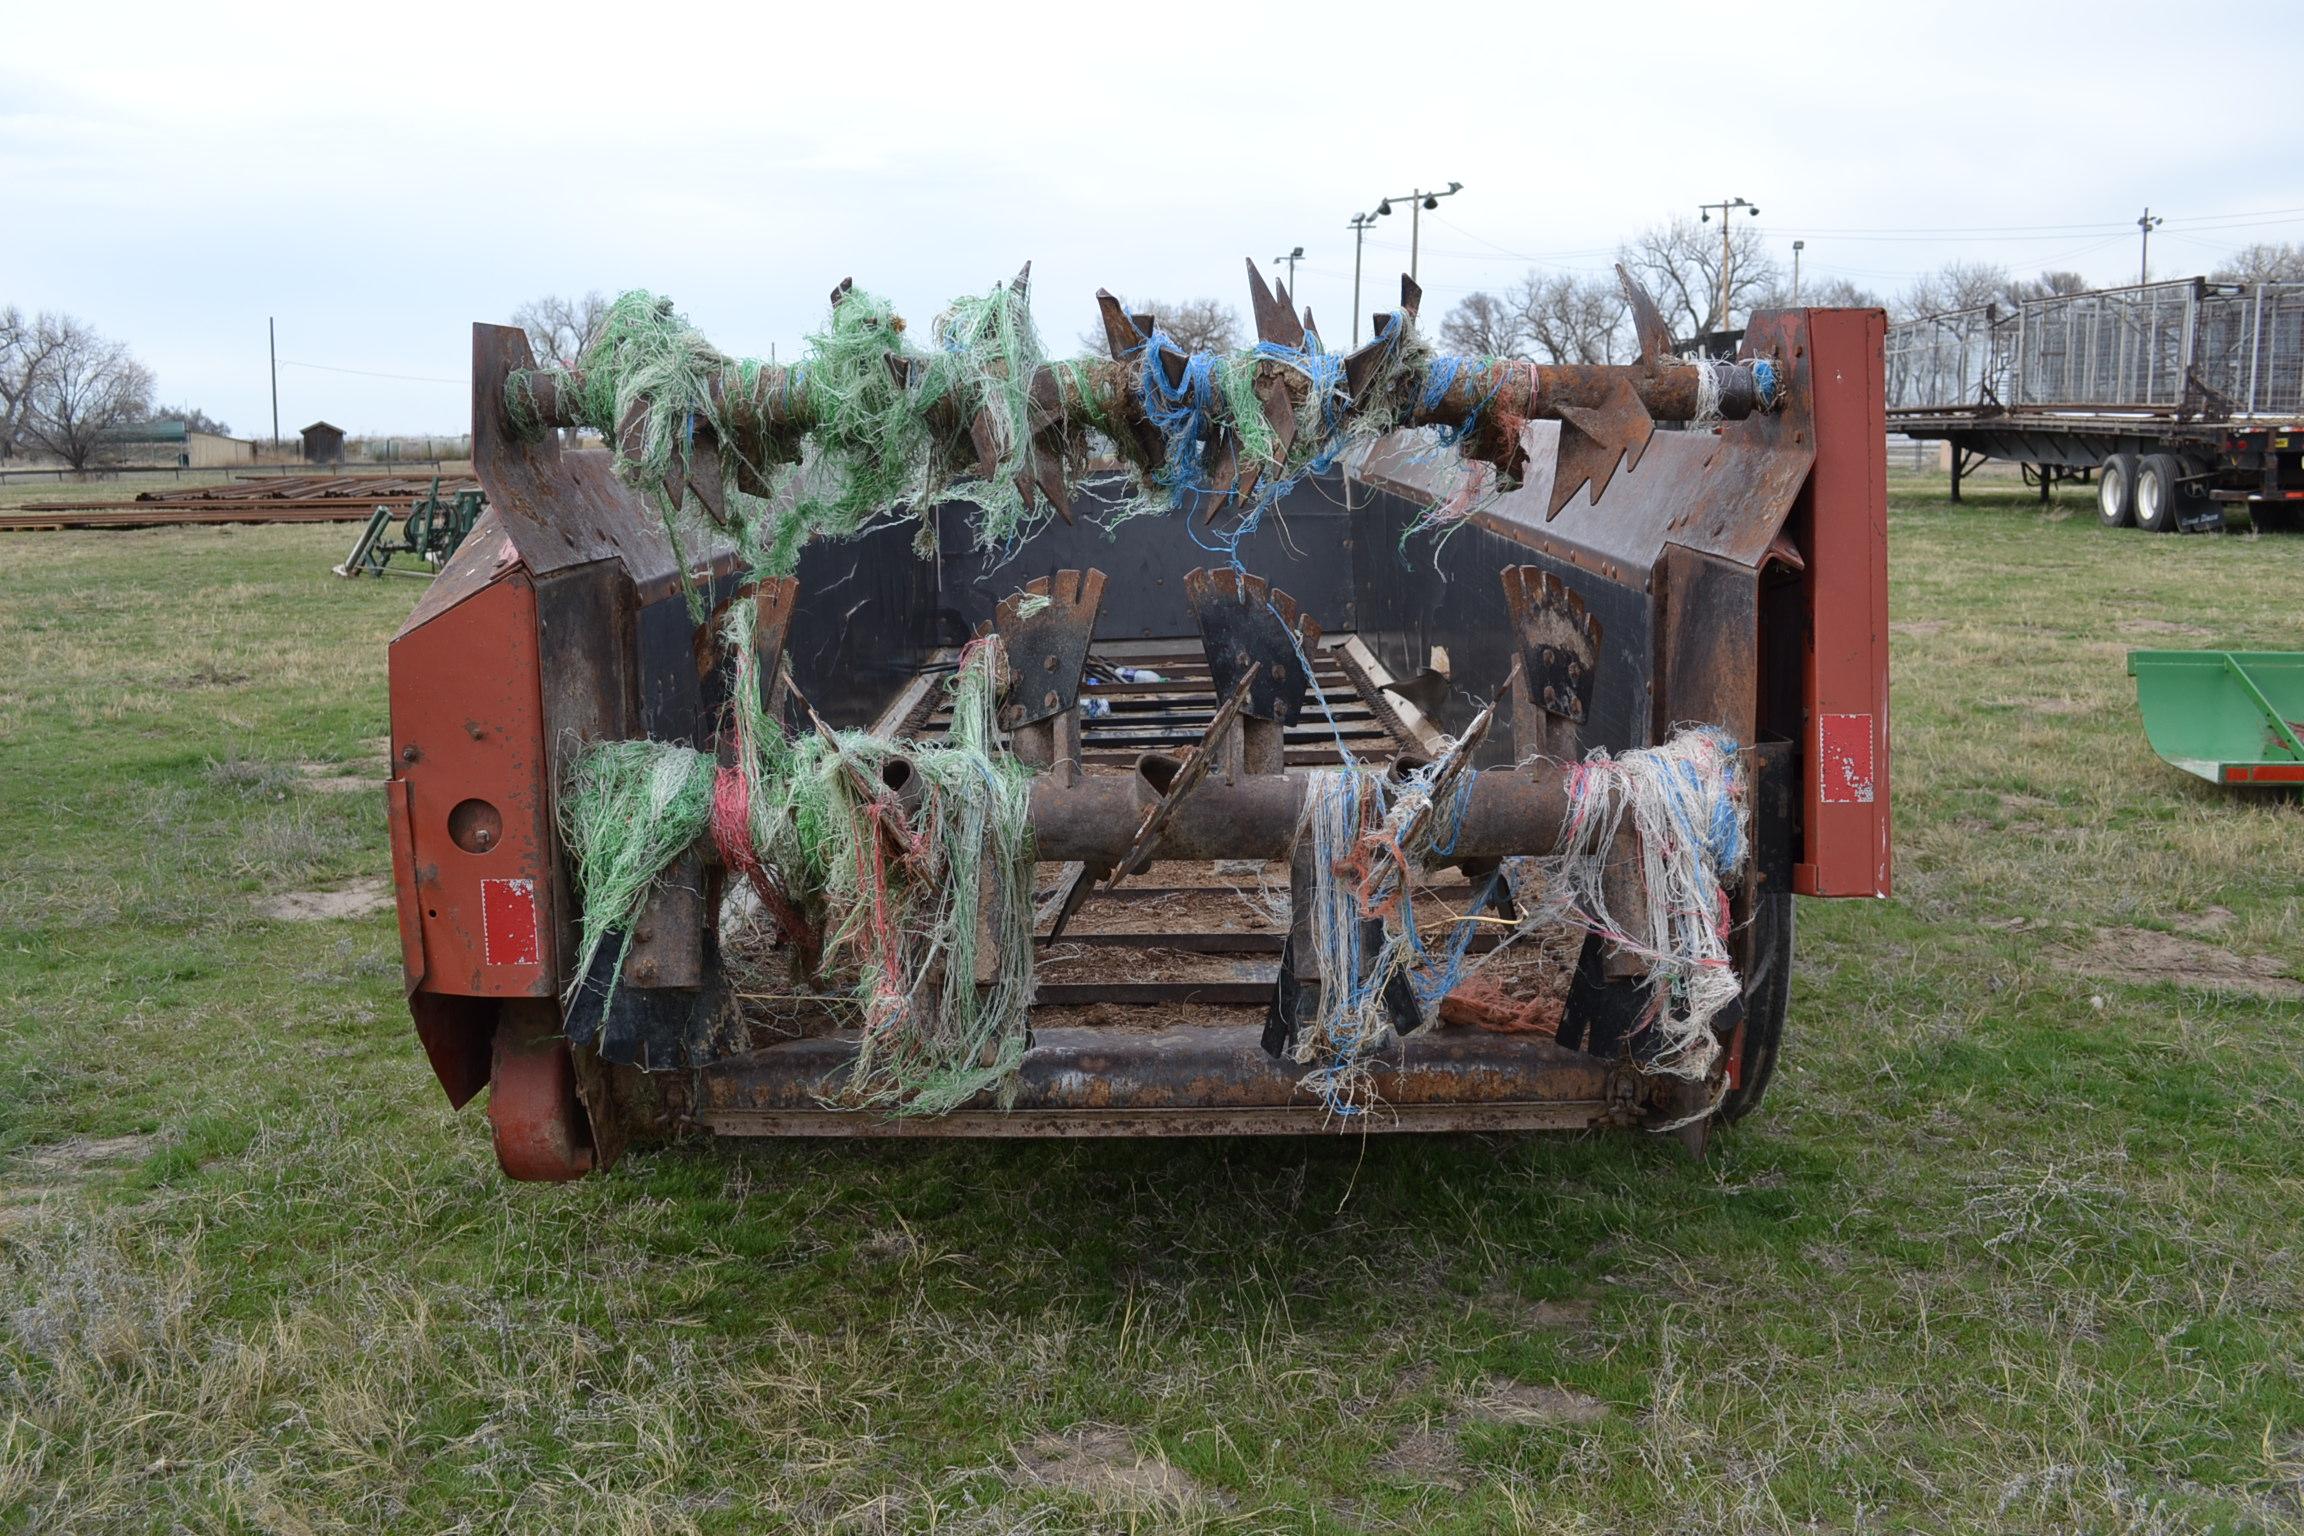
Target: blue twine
[(1764, 381)]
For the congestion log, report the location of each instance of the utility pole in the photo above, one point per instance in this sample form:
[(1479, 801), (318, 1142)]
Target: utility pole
[(1418, 201), (272, 344), (1727, 248), (1291, 258), (1359, 228), (2144, 257), (1797, 247)]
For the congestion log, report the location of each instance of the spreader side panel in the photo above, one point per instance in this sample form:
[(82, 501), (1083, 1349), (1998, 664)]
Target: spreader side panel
[(469, 771)]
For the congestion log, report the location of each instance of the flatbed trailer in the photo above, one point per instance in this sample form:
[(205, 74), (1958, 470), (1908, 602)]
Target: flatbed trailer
[(2177, 400)]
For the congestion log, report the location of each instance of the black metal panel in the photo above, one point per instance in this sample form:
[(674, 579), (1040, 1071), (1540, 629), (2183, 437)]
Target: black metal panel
[(867, 618), (1300, 548), (1448, 592)]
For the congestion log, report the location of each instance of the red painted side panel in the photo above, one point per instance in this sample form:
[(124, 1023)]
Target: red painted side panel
[(468, 754), (1844, 821)]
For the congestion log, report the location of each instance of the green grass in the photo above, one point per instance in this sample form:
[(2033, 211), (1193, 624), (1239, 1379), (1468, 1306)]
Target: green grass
[(2011, 1247)]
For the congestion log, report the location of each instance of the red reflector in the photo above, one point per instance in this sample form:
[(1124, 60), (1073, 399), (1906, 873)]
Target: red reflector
[(2264, 773), (508, 933), (1844, 759)]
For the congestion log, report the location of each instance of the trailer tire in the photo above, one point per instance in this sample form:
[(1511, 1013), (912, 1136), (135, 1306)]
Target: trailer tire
[(1767, 998), (2159, 494), (2116, 490), (535, 1117)]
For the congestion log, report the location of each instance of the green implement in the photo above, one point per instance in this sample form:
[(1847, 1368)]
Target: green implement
[(2231, 717), (430, 530)]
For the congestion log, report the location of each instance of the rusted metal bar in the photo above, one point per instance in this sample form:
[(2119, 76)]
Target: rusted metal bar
[(1218, 1067), (1509, 811)]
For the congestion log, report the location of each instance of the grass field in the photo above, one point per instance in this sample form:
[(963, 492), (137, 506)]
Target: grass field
[(2015, 1245)]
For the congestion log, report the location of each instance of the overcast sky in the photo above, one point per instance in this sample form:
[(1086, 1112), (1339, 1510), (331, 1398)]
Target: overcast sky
[(377, 178)]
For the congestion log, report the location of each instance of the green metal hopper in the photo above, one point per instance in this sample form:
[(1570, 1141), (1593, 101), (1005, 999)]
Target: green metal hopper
[(2231, 717)]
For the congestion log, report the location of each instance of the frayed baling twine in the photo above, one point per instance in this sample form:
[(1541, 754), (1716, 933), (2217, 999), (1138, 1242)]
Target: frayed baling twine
[(900, 900), (1685, 803), (631, 809), (1688, 805)]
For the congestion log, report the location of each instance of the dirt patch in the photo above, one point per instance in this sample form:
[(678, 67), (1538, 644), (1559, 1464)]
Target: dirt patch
[(1103, 1463), (357, 899), (2161, 627), (1425, 1456), (1570, 1313), (2146, 957), (1917, 629), (1511, 1402), (2207, 920), (40, 1174), (2051, 706), (322, 779)]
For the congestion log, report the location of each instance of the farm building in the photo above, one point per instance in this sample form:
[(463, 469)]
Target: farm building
[(174, 443), (323, 443)]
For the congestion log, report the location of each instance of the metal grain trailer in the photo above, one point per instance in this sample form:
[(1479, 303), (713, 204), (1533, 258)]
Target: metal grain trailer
[(1734, 574), (2178, 399)]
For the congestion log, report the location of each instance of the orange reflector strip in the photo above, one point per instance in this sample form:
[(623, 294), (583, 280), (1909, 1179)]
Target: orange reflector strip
[(2264, 773)]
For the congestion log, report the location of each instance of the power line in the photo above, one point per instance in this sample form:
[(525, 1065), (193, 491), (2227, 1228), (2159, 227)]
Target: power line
[(369, 373)]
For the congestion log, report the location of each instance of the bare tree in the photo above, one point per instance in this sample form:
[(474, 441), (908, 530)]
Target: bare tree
[(88, 389), (560, 329), (1570, 319), (28, 347), (194, 419), (1818, 293), (2050, 284), (1679, 264), (2263, 263), (1197, 325), (1483, 325), (1958, 285)]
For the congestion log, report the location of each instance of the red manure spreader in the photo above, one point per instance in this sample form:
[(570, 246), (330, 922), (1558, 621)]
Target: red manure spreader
[(1443, 753)]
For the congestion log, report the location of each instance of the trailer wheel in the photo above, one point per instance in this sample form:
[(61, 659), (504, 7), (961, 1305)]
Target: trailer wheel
[(1767, 997), (2116, 491), (537, 1121), (2159, 492)]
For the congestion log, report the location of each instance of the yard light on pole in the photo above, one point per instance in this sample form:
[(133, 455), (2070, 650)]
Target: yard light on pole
[(1797, 247), (1417, 202), (1359, 228), (1291, 258), (1727, 250), (2147, 224)]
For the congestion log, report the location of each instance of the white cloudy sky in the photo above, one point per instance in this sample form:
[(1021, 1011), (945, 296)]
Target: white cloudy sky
[(378, 178)]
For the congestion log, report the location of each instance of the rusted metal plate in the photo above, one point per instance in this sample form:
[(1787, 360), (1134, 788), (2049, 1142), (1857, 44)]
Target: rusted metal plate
[(1179, 1067), (560, 506), (1844, 534), (1562, 1115), (1725, 491), (1595, 438), (1046, 628), (1246, 626), (468, 761), (1710, 665), (1558, 640)]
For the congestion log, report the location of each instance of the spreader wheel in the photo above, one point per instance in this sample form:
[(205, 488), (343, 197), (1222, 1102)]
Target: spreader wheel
[(539, 1125), (1767, 996)]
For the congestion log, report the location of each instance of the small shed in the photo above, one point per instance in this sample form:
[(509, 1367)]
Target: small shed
[(323, 444)]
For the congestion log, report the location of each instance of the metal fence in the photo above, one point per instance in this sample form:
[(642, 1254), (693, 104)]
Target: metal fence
[(1956, 359), (2190, 349)]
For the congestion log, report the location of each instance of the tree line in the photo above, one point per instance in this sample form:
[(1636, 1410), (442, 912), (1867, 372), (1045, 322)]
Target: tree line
[(68, 392), (1565, 317)]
